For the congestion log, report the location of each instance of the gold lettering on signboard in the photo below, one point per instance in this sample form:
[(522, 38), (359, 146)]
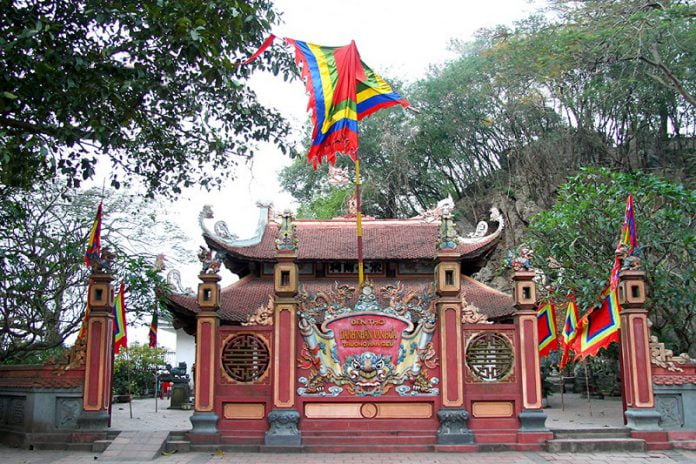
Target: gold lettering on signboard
[(363, 338)]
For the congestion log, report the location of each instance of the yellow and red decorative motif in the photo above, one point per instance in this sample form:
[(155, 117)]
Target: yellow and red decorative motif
[(546, 325), (599, 326)]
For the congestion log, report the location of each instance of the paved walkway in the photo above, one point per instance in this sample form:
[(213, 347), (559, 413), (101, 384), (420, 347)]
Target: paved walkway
[(14, 456)]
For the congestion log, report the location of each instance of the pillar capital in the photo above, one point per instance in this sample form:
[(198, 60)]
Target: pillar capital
[(524, 291), (100, 297), (632, 290), (209, 291)]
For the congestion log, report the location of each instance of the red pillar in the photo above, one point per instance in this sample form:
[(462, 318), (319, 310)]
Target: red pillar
[(532, 418), (204, 418), (635, 353), (100, 332), (284, 418), (453, 416)]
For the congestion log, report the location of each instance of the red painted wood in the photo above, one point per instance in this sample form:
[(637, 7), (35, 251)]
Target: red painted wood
[(96, 357), (285, 356), (642, 364), (451, 328), (205, 376), (529, 351)]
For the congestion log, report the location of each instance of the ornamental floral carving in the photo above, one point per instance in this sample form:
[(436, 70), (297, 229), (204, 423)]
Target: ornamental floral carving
[(471, 314), (367, 349), (263, 315)]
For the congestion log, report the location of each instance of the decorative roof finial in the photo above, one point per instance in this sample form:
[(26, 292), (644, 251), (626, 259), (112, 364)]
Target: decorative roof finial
[(287, 240), (448, 236)]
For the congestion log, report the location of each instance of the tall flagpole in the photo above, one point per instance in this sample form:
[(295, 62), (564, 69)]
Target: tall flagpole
[(358, 219)]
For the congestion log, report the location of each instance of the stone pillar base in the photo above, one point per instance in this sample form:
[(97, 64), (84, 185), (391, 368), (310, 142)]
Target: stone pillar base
[(533, 420), (204, 422), (453, 427), (283, 430), (643, 419), (93, 421)]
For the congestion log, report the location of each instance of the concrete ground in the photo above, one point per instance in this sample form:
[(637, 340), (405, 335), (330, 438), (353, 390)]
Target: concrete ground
[(145, 417), (14, 456)]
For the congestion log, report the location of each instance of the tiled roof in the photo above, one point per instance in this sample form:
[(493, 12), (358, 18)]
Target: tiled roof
[(243, 297), (335, 239)]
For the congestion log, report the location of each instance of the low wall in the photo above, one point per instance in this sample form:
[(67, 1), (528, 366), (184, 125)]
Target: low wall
[(38, 403), (675, 397)]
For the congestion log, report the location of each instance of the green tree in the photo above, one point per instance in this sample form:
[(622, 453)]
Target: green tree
[(581, 231), (154, 85), (136, 368), (43, 278)]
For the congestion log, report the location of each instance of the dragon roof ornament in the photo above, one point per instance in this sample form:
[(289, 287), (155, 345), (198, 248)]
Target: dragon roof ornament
[(222, 233), (481, 232)]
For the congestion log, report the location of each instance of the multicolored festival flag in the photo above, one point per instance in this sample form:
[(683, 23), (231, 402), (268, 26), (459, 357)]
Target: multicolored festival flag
[(94, 242), (628, 240), (120, 335), (342, 91), (570, 330), (546, 326), (599, 326), (153, 330)]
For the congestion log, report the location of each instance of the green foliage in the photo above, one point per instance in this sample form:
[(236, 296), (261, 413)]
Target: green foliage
[(581, 231), (523, 107), (43, 276), (153, 85), (137, 367), (332, 205)]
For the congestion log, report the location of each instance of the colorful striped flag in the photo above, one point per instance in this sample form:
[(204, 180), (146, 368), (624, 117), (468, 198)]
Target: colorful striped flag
[(94, 242), (120, 335), (628, 240), (153, 330), (342, 91), (599, 326), (546, 325), (570, 330)]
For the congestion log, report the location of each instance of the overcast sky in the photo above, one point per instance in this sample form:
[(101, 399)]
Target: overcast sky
[(395, 38)]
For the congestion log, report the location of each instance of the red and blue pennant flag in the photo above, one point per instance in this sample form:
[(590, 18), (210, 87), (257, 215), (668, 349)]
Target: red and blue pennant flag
[(570, 330), (153, 330), (628, 240), (546, 327), (342, 91), (94, 241), (120, 335), (599, 326)]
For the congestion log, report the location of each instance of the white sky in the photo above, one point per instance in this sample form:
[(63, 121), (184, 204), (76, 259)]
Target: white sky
[(395, 38)]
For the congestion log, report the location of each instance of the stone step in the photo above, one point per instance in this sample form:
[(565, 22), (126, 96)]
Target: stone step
[(182, 446), (384, 448), (99, 446), (684, 444), (350, 439), (591, 445), (592, 433), (66, 446)]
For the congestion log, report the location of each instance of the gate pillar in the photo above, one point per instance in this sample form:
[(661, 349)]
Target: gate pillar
[(453, 416), (100, 344), (635, 353), (284, 419), (532, 417), (204, 419)]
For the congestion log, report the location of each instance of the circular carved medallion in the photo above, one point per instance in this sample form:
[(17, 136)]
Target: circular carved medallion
[(368, 410), (245, 358), (490, 357)]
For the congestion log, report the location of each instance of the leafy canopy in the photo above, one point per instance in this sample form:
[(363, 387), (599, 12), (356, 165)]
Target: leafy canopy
[(152, 85), (582, 228)]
